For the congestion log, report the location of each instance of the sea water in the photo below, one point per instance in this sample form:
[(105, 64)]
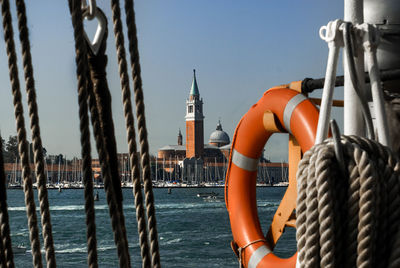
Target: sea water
[(193, 231)]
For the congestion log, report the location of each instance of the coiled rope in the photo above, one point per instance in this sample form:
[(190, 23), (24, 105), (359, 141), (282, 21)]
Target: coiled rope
[(349, 220), (21, 134)]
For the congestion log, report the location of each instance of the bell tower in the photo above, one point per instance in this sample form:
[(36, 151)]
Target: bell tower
[(194, 122)]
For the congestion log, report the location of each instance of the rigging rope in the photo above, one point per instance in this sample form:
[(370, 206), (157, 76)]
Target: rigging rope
[(354, 221), (21, 134), (130, 129), (93, 90), (100, 108), (7, 257), (35, 130), (144, 146), (82, 70)]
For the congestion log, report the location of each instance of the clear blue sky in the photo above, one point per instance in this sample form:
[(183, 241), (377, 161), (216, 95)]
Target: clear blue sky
[(239, 49)]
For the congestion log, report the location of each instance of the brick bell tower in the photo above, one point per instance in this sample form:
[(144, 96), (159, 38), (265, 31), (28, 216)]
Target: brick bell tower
[(194, 122)]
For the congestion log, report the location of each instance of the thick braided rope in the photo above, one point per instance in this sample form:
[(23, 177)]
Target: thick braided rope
[(394, 215), (370, 184), (21, 134), (353, 194), (312, 234), (325, 208), (115, 210), (367, 209), (373, 174), (82, 70), (301, 208), (391, 176), (340, 207), (35, 131), (144, 146), (8, 257), (131, 135), (381, 212)]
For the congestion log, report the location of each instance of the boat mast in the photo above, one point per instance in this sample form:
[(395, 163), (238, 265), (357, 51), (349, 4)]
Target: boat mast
[(215, 169), (15, 171), (59, 163), (175, 166), (156, 168)]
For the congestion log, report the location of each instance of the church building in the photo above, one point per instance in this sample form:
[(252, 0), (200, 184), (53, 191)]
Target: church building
[(195, 155)]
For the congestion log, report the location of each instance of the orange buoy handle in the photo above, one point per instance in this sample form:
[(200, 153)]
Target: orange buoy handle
[(299, 117)]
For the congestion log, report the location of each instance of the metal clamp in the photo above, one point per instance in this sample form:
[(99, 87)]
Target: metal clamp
[(329, 33), (370, 39), (100, 32)]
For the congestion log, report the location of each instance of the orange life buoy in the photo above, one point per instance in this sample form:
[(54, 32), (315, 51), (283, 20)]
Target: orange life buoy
[(299, 117)]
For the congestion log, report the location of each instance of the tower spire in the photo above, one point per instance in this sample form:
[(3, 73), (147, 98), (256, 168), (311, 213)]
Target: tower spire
[(194, 90), (194, 122)]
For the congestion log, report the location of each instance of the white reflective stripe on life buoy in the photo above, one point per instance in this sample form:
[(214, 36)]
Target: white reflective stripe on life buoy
[(257, 256), (244, 162), (290, 106)]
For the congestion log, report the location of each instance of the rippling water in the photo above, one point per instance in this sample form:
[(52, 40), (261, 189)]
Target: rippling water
[(193, 232)]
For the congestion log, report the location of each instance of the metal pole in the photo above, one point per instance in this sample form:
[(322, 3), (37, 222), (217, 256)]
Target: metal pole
[(371, 40), (353, 118), (327, 93)]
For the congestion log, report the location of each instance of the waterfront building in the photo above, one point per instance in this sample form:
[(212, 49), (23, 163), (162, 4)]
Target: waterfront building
[(194, 162), (197, 162), (193, 157)]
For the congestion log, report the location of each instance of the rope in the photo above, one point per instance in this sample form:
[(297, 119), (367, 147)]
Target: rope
[(100, 108), (350, 221), (130, 129), (114, 210), (35, 130), (21, 134), (2, 256), (312, 234), (81, 62), (144, 146), (5, 243)]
